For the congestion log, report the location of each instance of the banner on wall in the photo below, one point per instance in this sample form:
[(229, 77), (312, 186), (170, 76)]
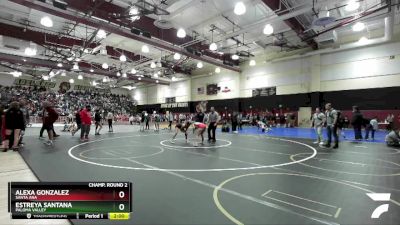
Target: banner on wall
[(175, 105), (200, 91), (90, 88), (170, 100), (212, 89), (40, 83), (261, 92)]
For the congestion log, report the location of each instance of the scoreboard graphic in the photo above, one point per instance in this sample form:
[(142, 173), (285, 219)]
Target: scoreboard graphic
[(74, 200)]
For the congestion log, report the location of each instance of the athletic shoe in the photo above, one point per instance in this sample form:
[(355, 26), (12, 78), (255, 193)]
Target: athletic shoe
[(315, 142), (321, 143), (335, 147), (172, 141), (56, 135), (82, 139), (41, 137), (195, 145), (49, 143), (86, 139)]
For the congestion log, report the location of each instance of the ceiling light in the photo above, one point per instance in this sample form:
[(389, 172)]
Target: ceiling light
[(46, 21), (124, 75), (181, 33), (352, 5), (52, 74), (104, 66), (139, 78), (173, 78), (118, 74), (105, 79), (157, 81), (75, 67), (199, 65), (63, 74), (159, 72), (30, 51), (45, 77), (359, 26), (177, 56), (152, 65), (70, 58), (156, 75), (24, 60), (145, 49), (94, 83), (71, 81), (122, 58), (91, 70), (240, 8), (363, 40), (235, 57), (218, 70), (133, 11), (80, 77), (252, 62), (60, 65), (101, 34), (268, 29), (78, 59), (213, 46), (133, 71)]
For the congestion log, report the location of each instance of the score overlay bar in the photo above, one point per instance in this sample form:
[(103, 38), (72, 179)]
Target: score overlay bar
[(70, 200)]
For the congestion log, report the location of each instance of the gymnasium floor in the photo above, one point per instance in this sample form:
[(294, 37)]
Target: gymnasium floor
[(242, 179)]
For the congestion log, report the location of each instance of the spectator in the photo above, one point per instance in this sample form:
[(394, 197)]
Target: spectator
[(318, 120), (78, 122), (14, 121), (170, 119), (372, 126), (86, 120), (97, 122), (234, 120), (389, 120), (240, 121), (110, 118), (331, 126), (357, 121), (346, 122), (393, 138), (213, 119), (49, 117)]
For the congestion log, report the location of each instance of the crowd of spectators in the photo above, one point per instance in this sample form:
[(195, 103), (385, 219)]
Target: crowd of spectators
[(66, 103)]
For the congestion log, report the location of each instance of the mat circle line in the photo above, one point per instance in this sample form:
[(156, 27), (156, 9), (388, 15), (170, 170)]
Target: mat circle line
[(122, 157), (228, 215), (189, 170)]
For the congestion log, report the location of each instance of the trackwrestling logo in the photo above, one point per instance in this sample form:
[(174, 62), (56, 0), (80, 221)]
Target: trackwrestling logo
[(379, 197)]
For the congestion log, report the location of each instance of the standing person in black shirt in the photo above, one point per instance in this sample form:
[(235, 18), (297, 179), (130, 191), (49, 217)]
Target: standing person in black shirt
[(78, 121), (14, 120), (97, 120), (357, 121), (234, 120)]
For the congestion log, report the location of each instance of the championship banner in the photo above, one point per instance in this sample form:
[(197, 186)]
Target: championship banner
[(170, 100), (90, 88), (262, 92), (175, 105), (40, 83), (212, 89)]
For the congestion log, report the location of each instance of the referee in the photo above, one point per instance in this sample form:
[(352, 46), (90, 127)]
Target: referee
[(213, 119)]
